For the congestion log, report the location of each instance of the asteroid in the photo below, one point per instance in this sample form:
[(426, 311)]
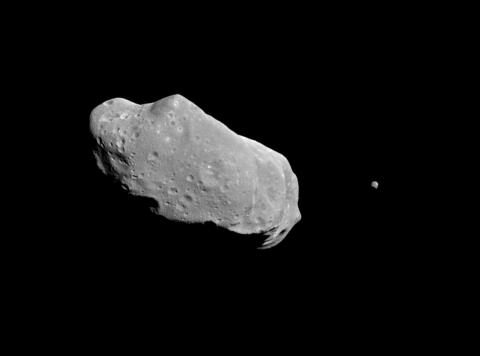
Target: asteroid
[(195, 168)]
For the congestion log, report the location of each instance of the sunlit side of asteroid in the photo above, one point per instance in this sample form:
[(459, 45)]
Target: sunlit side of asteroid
[(195, 168)]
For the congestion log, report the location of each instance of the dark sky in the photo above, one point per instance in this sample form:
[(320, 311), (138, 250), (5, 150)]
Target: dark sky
[(342, 100), (339, 108), (339, 102)]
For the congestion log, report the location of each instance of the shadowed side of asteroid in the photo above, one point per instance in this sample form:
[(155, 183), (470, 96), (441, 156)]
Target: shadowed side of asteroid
[(127, 219)]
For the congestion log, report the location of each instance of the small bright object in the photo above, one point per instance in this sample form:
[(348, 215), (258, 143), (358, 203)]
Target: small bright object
[(374, 184)]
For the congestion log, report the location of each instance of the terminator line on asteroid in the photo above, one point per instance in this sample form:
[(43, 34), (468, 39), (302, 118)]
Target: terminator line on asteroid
[(195, 167)]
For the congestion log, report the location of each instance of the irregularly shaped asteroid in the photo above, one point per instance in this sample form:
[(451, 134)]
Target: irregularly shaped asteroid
[(195, 167)]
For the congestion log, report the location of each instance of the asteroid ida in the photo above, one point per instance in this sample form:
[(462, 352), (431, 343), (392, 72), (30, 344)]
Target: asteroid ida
[(195, 168)]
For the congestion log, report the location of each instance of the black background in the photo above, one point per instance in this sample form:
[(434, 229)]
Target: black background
[(344, 97)]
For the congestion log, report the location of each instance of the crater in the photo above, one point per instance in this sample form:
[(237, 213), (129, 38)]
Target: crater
[(172, 119), (188, 198), (172, 191), (136, 132), (260, 221), (120, 143), (208, 176), (152, 156), (272, 194), (159, 185)]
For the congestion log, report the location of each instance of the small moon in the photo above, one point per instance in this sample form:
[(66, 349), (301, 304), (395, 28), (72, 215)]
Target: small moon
[(374, 184)]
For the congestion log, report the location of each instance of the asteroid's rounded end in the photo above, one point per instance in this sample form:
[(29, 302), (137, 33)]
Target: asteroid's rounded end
[(172, 102)]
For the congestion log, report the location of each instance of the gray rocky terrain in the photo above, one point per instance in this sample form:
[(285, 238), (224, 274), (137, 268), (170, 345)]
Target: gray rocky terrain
[(195, 168)]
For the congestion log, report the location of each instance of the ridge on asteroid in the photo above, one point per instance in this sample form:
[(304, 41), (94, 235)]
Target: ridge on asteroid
[(195, 168)]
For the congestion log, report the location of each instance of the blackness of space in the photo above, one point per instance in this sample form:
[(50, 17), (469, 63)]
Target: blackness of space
[(341, 99)]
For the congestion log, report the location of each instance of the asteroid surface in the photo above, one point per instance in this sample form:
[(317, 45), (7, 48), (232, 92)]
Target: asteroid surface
[(195, 168)]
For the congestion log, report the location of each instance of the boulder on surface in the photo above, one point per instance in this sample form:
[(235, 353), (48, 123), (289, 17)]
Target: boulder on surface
[(195, 168)]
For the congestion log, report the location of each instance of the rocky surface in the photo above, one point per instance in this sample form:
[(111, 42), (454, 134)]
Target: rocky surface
[(195, 167)]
